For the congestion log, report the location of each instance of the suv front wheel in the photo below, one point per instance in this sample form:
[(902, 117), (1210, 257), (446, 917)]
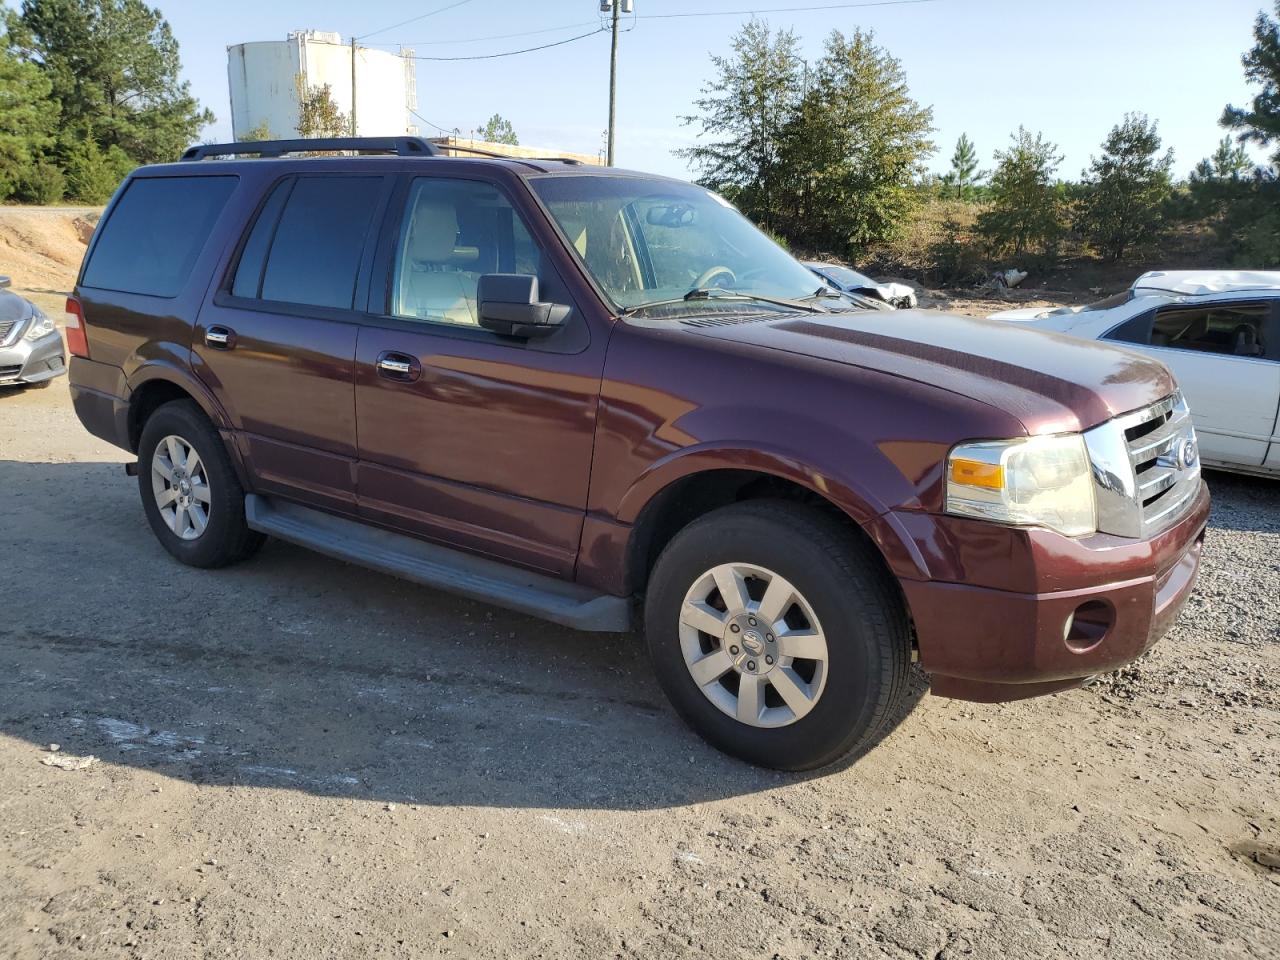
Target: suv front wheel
[(190, 493), (776, 634)]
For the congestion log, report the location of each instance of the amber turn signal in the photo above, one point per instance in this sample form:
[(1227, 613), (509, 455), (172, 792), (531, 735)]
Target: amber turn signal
[(975, 473)]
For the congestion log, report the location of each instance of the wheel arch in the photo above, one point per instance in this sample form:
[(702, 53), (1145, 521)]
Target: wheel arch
[(667, 500), (156, 384)]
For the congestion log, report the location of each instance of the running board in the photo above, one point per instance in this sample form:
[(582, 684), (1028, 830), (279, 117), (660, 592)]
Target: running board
[(568, 604)]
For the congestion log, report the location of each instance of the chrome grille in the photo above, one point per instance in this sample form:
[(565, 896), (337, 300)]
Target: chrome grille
[(6, 328), (1146, 468)]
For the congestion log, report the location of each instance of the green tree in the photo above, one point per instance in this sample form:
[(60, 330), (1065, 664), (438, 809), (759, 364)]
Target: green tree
[(742, 114), (1124, 192), (1260, 122), (27, 122), (114, 69), (256, 133), (853, 149), (1025, 212), (498, 129), (1229, 162), (318, 115), (93, 173), (963, 175)]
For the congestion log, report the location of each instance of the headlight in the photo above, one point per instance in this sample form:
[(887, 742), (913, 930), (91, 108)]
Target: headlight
[(40, 325), (1037, 481)]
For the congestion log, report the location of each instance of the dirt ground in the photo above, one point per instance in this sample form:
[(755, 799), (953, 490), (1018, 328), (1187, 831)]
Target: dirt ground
[(299, 758)]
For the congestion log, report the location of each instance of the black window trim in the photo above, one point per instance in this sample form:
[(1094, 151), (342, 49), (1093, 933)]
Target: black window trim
[(574, 338), (223, 297), (114, 205)]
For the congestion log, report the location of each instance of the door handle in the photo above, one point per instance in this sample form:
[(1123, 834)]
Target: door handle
[(220, 338), (401, 367)]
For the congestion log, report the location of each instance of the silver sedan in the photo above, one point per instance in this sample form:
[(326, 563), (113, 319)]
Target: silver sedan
[(31, 350)]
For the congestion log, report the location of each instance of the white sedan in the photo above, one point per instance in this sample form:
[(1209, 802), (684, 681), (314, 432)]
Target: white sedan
[(1219, 332)]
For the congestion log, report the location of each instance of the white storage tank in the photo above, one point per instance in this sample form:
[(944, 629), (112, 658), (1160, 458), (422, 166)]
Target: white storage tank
[(264, 77)]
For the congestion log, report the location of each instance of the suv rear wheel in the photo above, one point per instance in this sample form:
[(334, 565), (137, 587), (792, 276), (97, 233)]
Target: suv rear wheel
[(190, 493), (776, 634)]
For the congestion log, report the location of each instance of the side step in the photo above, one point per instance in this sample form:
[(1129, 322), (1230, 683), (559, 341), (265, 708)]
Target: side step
[(406, 557)]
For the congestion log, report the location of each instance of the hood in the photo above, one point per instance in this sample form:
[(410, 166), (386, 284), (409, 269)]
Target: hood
[(13, 307), (1023, 314), (1050, 382)]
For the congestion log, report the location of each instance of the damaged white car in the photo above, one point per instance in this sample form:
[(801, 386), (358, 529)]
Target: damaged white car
[(1219, 332)]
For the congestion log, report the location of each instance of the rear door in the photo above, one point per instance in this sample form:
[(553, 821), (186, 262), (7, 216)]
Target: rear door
[(277, 343), (1223, 355), (466, 437)]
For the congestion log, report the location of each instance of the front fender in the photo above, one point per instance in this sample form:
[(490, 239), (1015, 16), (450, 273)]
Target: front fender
[(858, 503)]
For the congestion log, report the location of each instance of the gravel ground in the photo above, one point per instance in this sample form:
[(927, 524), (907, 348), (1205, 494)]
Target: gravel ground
[(301, 758)]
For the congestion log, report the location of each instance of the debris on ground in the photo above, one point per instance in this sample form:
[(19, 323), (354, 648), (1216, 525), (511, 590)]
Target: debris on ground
[(65, 761)]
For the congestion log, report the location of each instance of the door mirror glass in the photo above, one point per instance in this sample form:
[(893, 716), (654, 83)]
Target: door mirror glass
[(508, 304)]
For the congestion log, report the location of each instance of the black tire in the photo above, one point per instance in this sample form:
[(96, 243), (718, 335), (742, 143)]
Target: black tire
[(226, 538), (853, 597)]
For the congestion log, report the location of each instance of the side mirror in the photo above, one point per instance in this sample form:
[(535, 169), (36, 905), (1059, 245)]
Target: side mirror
[(508, 304), (5, 283)]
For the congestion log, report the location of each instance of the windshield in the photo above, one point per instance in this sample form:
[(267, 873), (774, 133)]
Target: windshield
[(846, 277), (655, 241)]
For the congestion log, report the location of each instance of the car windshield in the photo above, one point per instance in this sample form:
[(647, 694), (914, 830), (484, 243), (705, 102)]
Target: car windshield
[(649, 241)]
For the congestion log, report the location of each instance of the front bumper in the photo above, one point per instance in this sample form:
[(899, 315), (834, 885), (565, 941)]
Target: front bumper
[(988, 644), (32, 361)]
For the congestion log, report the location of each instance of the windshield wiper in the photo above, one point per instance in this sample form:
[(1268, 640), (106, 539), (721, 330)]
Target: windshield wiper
[(716, 293)]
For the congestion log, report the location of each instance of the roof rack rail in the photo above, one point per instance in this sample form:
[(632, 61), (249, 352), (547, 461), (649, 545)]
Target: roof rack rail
[(400, 146), (442, 147)]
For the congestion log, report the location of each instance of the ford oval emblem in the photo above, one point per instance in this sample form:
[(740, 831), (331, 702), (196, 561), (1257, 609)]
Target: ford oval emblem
[(1186, 453)]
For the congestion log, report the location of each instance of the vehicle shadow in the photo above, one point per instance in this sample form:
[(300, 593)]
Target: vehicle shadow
[(294, 671)]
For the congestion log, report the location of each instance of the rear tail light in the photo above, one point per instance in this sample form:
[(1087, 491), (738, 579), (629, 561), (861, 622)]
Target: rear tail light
[(77, 341)]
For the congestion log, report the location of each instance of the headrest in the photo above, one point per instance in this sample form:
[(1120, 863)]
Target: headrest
[(433, 232)]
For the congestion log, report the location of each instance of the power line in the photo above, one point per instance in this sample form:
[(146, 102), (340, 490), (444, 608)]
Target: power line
[(503, 36), (430, 124), (512, 53), (421, 16), (740, 13)]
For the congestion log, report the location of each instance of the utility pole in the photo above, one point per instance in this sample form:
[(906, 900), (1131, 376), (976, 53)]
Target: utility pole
[(353, 86), (614, 7)]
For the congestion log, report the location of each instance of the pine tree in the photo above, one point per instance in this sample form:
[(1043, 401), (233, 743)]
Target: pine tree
[(27, 122), (1124, 191), (113, 67), (853, 149), (498, 129), (1025, 210), (964, 174), (1260, 122), (742, 113)]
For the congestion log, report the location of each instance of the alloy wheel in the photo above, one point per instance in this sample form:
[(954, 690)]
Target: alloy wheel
[(753, 645), (181, 487)]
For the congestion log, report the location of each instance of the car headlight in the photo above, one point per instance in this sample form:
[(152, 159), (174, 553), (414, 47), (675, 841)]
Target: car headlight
[(40, 325), (1036, 481)]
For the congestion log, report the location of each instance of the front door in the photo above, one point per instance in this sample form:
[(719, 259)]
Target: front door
[(277, 344), (466, 437)]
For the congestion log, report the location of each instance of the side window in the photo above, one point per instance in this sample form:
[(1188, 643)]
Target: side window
[(1233, 330), (248, 279), (312, 252), (157, 228), (453, 232)]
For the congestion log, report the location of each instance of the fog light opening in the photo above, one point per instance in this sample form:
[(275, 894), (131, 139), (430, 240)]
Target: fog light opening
[(1088, 626)]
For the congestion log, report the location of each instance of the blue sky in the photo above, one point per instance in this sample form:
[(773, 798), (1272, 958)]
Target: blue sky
[(1068, 67)]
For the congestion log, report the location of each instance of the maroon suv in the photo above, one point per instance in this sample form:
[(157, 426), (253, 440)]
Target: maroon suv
[(584, 394)]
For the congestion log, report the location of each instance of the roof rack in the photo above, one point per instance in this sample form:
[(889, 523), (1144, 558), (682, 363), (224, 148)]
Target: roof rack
[(400, 146), (442, 147)]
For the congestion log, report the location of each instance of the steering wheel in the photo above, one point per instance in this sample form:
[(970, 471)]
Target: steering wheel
[(705, 278)]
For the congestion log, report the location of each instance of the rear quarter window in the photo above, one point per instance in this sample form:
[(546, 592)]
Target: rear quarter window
[(154, 234)]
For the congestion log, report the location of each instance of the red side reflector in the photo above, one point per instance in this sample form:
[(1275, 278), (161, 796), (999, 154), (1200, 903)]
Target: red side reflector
[(77, 341)]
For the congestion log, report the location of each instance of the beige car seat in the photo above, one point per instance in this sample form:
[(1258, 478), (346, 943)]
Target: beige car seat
[(431, 285)]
